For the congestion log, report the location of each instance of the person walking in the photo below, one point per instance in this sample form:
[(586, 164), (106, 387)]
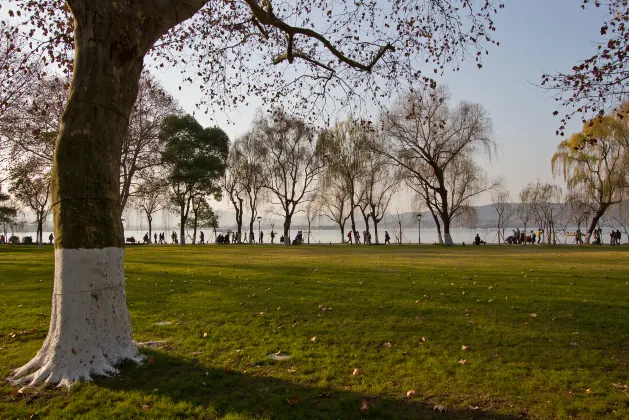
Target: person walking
[(349, 237), (261, 237), (387, 238), (201, 237), (50, 238)]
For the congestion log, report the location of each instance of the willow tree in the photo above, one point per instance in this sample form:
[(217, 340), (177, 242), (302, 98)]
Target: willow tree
[(293, 163), (340, 48), (593, 163), (435, 145)]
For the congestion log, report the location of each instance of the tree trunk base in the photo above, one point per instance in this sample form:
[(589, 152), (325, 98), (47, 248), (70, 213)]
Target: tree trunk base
[(448, 238), (90, 330)]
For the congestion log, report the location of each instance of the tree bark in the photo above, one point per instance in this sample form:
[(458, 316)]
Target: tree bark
[(90, 330), (446, 232), (40, 228), (150, 220), (182, 227), (287, 221), (375, 228)]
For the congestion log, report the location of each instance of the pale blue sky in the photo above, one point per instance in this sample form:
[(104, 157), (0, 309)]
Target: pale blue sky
[(535, 36)]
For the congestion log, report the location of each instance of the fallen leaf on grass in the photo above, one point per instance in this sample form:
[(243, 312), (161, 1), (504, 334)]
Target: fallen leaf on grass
[(314, 339), (410, 393), (533, 315), (424, 338), (462, 361), (620, 386), (146, 407), (387, 344), (364, 406), (293, 400), (356, 372), (439, 408), (204, 335), (463, 347)]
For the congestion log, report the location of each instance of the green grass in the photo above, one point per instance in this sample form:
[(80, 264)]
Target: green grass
[(253, 301)]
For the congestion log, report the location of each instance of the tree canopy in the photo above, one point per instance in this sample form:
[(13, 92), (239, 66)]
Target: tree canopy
[(234, 50)]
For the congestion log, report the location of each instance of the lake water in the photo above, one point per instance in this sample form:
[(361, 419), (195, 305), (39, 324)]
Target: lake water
[(326, 236)]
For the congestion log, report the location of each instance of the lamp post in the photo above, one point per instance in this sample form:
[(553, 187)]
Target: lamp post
[(259, 230), (419, 224)]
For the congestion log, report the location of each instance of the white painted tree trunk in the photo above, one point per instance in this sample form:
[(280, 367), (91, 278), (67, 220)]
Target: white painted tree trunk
[(448, 238), (90, 331)]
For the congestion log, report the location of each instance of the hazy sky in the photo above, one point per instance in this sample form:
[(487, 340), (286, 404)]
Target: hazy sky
[(535, 36)]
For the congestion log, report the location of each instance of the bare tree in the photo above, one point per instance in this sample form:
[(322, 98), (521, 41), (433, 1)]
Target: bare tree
[(501, 201), (31, 186), (312, 212), (543, 199), (399, 220), (150, 196), (435, 145), (335, 203), (34, 127), (19, 69), (293, 163), (578, 208), (141, 148), (231, 184), (379, 183), (346, 147), (249, 171)]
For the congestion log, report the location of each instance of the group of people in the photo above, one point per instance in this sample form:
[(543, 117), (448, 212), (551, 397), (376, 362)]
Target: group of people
[(520, 237), (366, 238), (597, 237), (614, 237), (232, 238)]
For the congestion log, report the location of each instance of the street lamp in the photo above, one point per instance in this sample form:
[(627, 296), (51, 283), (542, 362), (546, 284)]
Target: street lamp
[(259, 230), (419, 224)]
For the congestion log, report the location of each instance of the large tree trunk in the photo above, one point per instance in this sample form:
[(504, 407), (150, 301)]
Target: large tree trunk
[(239, 211), (437, 224), (446, 232), (90, 330), (599, 213), (194, 231), (375, 228), (40, 229), (251, 235), (182, 226), (287, 229), (342, 228), (150, 220)]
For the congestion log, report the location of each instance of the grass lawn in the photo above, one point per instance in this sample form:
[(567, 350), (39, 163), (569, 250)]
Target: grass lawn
[(545, 330)]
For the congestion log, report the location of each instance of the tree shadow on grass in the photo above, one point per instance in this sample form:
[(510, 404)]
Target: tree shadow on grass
[(219, 392)]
